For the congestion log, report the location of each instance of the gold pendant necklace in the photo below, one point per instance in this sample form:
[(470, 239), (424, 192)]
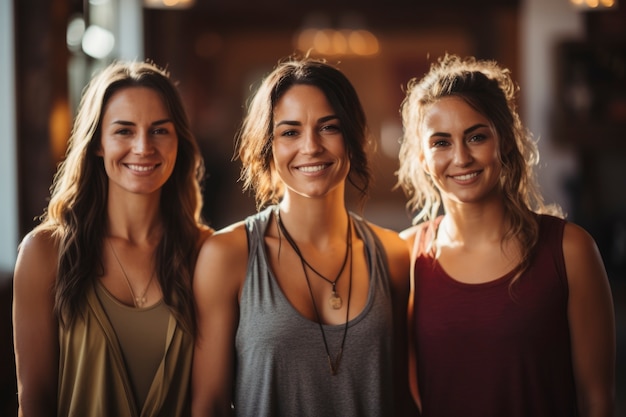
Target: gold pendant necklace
[(335, 300), (140, 301), (332, 363)]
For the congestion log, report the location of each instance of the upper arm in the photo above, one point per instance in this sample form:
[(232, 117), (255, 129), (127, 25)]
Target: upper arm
[(398, 260), (399, 267), (591, 320), (218, 277), (409, 236), (35, 328)]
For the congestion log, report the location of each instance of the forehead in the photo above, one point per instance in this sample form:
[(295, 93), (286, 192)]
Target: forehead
[(301, 98), (450, 113), (135, 100)]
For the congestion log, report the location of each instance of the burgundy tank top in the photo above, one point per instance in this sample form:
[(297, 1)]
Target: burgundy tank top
[(493, 350)]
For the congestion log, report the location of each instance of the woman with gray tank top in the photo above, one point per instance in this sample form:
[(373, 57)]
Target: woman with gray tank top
[(301, 308)]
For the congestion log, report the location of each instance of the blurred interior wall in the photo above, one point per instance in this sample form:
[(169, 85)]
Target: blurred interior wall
[(8, 139), (543, 25)]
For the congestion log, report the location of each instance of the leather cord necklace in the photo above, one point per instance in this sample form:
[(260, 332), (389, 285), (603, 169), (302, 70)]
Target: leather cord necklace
[(140, 301), (333, 364), (335, 299)]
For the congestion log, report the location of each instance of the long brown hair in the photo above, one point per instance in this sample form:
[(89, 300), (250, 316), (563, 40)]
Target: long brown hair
[(76, 213), (254, 141)]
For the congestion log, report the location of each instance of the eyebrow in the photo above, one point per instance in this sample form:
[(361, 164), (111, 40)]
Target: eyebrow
[(128, 123), (296, 123), (465, 132)]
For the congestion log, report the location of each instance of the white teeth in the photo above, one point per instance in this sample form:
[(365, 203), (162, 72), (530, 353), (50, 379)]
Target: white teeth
[(466, 176), (141, 168), (315, 168)]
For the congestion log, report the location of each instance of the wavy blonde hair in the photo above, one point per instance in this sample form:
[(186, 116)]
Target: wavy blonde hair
[(488, 89)]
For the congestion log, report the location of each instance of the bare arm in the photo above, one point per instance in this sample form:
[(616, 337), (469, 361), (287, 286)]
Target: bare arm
[(592, 325), (219, 275), (35, 328), (410, 235), (399, 263)]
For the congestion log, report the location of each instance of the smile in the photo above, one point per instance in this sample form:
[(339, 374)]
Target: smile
[(141, 168), (465, 177), (313, 168)]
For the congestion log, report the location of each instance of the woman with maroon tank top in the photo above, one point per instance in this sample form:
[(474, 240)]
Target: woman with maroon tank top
[(510, 309)]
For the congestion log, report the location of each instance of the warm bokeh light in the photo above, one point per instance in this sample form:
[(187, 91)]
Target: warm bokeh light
[(593, 4), (59, 124), (325, 41), (168, 4)]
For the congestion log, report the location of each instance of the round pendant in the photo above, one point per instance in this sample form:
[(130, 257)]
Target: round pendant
[(335, 301)]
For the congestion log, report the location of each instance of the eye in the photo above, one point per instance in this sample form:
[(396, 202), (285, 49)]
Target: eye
[(123, 131), (477, 138), (332, 128), (439, 143), (287, 133), (160, 131)]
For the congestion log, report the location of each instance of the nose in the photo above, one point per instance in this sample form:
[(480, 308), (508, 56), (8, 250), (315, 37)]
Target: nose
[(462, 155), (312, 143), (142, 145)]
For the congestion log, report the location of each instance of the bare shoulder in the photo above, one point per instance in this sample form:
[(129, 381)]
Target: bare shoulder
[(390, 238), (578, 245), (37, 258), (229, 242), (222, 260), (39, 241), (205, 233), (397, 254), (408, 234), (583, 260)]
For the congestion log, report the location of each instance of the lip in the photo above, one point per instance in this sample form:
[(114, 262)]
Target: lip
[(313, 168), (465, 177), (141, 168)]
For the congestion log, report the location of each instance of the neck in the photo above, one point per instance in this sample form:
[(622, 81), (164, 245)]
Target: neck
[(317, 221), (469, 223), (135, 219)]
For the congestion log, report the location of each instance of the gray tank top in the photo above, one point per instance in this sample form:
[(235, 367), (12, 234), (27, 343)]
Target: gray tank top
[(282, 368)]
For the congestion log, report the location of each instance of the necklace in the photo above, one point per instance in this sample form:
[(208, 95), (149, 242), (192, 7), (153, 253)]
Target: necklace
[(333, 364), (335, 299), (139, 302)]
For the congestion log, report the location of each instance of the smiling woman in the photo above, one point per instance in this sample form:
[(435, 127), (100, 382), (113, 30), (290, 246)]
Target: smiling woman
[(103, 311), (301, 307), (139, 142), (510, 311)]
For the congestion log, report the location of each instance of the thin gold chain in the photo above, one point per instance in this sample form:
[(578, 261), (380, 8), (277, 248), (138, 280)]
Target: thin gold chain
[(137, 301)]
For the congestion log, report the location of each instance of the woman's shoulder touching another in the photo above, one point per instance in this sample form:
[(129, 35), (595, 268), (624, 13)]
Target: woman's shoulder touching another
[(408, 234), (396, 250), (223, 254)]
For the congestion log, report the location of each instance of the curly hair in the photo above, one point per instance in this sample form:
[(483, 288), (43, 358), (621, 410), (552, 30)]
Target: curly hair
[(254, 139), (488, 89), (76, 211)]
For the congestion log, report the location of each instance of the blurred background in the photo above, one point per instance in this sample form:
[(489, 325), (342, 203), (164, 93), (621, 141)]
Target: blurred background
[(569, 56)]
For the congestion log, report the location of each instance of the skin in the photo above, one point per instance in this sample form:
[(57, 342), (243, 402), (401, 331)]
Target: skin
[(470, 247), (136, 133), (311, 160)]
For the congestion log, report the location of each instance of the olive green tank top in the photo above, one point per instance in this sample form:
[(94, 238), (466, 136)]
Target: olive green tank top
[(141, 333)]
